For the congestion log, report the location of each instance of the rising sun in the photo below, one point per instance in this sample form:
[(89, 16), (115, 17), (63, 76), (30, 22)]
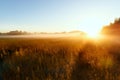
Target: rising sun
[(92, 34), (92, 27)]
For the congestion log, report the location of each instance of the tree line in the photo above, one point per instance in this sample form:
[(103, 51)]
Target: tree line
[(112, 28), (16, 32)]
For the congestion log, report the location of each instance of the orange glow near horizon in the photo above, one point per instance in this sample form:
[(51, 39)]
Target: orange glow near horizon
[(94, 36), (93, 33), (92, 26)]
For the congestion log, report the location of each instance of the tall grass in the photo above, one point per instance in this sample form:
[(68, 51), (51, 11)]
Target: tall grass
[(59, 59)]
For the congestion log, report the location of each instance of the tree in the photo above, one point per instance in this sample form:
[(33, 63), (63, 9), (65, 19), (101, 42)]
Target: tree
[(112, 28)]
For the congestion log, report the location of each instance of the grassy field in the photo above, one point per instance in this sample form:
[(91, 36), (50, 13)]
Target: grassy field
[(59, 59)]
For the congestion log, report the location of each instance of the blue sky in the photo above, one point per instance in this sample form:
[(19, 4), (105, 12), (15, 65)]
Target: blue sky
[(57, 15)]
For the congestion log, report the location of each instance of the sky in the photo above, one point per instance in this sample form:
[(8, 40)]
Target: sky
[(57, 15)]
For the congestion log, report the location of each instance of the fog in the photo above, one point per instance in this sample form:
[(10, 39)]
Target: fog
[(42, 35)]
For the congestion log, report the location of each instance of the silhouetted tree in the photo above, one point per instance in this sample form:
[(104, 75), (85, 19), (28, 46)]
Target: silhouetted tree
[(117, 21), (112, 28), (16, 32)]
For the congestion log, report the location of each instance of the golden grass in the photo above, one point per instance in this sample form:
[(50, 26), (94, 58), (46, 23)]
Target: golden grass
[(59, 59)]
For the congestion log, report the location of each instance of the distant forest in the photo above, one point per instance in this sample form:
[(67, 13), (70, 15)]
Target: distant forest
[(112, 28), (16, 32)]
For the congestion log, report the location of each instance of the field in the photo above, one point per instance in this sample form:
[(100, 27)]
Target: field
[(59, 59)]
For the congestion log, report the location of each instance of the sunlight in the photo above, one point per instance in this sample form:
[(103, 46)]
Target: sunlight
[(92, 26), (93, 34)]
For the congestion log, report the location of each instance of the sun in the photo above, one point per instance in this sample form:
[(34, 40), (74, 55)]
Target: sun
[(92, 34), (92, 26)]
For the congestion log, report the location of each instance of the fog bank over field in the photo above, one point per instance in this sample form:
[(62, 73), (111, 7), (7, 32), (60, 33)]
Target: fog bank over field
[(42, 35)]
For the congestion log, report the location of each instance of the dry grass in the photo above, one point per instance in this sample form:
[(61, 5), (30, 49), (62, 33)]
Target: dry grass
[(59, 59)]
